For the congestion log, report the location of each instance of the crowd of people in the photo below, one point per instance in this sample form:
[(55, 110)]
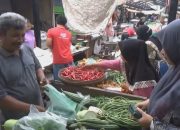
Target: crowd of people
[(150, 63)]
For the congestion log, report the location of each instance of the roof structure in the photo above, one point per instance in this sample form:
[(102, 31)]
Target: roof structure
[(139, 5), (162, 3)]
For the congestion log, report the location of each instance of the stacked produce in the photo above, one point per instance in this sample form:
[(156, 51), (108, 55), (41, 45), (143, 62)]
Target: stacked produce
[(114, 113), (116, 76), (115, 81), (78, 73)]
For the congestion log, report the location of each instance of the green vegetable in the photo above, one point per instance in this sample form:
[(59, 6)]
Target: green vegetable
[(116, 76), (85, 114), (95, 126), (9, 124), (78, 99), (95, 120), (116, 111)]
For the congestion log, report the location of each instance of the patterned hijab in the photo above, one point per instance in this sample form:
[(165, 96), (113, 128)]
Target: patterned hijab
[(165, 97)]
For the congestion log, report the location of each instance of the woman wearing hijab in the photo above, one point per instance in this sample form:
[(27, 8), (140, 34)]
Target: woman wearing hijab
[(140, 74), (143, 32), (154, 48), (163, 107)]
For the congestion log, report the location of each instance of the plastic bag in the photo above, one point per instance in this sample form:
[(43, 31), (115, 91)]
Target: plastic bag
[(60, 104), (40, 121)]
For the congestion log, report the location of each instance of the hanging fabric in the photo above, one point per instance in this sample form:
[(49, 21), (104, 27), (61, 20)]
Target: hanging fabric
[(88, 16)]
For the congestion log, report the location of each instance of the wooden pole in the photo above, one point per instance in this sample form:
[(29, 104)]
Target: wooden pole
[(36, 21), (173, 10)]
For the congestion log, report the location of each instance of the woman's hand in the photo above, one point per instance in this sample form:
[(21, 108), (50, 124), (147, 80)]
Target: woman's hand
[(145, 120), (143, 105)]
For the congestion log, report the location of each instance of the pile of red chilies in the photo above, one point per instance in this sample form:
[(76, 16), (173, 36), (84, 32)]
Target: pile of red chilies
[(78, 73)]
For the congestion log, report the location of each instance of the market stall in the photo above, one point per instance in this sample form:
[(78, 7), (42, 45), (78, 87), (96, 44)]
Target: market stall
[(45, 56), (97, 110), (77, 78)]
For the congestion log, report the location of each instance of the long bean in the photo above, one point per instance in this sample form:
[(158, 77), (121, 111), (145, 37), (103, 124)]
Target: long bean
[(116, 111)]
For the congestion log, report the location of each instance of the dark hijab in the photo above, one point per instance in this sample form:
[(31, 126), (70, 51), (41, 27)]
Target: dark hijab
[(143, 32), (138, 67), (165, 97)]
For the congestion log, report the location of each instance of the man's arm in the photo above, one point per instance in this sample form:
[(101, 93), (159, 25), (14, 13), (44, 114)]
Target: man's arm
[(39, 71), (12, 104), (41, 77), (49, 43)]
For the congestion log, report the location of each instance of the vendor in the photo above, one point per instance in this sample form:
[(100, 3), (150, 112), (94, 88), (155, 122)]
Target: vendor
[(59, 41), (20, 70), (140, 74), (163, 105)]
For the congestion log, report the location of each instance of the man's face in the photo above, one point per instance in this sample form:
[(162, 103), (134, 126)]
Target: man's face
[(12, 39)]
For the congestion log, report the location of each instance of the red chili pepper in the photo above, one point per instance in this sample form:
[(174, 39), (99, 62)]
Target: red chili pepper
[(77, 73)]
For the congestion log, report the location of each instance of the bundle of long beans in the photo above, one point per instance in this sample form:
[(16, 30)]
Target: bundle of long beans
[(116, 110)]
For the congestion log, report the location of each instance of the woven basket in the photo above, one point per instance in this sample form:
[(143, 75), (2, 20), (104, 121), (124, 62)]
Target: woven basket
[(80, 82)]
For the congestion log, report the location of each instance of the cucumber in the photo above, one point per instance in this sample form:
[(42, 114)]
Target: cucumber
[(78, 99), (99, 126), (96, 121)]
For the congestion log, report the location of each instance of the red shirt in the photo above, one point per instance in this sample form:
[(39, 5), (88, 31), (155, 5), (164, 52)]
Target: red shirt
[(130, 30), (61, 45)]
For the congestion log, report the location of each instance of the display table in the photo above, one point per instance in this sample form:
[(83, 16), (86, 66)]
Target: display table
[(45, 56), (93, 91), (80, 50)]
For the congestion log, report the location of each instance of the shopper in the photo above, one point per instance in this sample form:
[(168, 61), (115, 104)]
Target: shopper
[(20, 70), (143, 32), (161, 25), (29, 35), (140, 74), (154, 48), (163, 106), (59, 41), (140, 23)]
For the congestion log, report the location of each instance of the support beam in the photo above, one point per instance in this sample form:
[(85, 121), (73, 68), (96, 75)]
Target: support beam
[(173, 10), (13, 5), (36, 21)]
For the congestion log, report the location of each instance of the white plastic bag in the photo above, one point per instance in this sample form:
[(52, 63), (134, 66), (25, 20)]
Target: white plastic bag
[(40, 121)]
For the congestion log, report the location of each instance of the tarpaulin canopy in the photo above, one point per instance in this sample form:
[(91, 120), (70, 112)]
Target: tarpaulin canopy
[(160, 2), (145, 12), (89, 16), (139, 5)]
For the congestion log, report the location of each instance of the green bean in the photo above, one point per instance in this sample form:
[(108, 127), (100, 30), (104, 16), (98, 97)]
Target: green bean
[(116, 110)]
